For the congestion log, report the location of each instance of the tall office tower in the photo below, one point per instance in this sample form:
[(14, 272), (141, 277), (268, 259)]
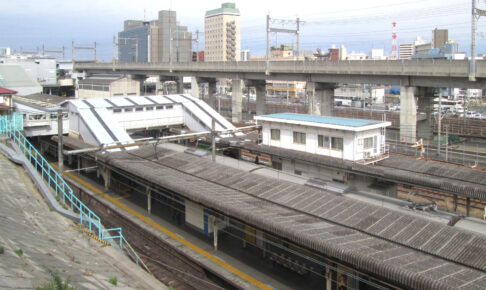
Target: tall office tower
[(406, 50), (222, 38), (440, 37), (133, 41), (160, 40), (174, 40)]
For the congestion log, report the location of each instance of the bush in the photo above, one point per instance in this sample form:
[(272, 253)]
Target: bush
[(56, 283), (113, 281), (19, 252), (1, 250)]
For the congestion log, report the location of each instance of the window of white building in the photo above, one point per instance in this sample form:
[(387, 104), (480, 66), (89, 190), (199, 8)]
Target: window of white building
[(368, 143), (337, 143), (275, 134), (323, 141), (299, 138)]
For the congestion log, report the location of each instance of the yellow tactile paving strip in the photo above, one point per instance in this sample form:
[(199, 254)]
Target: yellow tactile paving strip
[(143, 218)]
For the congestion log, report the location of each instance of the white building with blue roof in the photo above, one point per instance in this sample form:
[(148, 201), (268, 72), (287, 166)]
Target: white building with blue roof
[(349, 139)]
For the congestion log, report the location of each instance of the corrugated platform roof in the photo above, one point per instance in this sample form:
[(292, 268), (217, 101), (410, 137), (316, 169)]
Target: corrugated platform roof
[(454, 179), (403, 248)]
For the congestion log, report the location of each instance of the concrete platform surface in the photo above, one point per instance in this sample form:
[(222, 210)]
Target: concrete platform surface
[(36, 241)]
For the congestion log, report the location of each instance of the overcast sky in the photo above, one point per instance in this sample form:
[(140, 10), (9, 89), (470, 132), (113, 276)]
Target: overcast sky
[(359, 25)]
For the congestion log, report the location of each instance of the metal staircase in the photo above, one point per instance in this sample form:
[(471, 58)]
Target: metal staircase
[(10, 129)]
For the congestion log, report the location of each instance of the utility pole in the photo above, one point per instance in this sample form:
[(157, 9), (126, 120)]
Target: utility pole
[(297, 34), (60, 161), (170, 40), (472, 62), (268, 45), (197, 45), (74, 48), (447, 143), (114, 49), (282, 22), (61, 51), (130, 44), (213, 139), (476, 13), (439, 121)]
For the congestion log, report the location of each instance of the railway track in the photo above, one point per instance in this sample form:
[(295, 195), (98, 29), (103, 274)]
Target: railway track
[(165, 262)]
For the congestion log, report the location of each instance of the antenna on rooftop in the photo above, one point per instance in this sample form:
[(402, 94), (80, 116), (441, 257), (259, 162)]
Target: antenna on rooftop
[(394, 54)]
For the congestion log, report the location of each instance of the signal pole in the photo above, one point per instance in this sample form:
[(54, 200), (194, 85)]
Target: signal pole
[(282, 22)]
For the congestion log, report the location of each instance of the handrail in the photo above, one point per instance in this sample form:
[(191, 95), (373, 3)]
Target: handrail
[(9, 125), (53, 179), (131, 251), (111, 237)]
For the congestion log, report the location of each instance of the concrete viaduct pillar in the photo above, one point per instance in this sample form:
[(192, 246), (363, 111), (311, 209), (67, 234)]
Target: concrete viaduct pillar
[(425, 124), (180, 85), (194, 87), (320, 98), (237, 93), (179, 80), (106, 174), (140, 79), (196, 83), (408, 114), (212, 94), (260, 88)]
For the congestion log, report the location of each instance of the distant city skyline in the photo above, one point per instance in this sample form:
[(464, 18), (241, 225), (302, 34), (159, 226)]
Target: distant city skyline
[(358, 25)]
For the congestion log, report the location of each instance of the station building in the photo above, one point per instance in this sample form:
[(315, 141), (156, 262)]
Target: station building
[(349, 139), (107, 87)]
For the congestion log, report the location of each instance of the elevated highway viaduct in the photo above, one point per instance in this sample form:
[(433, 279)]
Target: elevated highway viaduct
[(417, 79)]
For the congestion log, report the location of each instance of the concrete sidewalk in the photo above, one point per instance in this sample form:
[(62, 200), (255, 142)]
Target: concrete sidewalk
[(37, 240)]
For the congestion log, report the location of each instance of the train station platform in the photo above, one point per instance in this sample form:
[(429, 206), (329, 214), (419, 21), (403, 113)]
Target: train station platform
[(373, 238), (36, 240)]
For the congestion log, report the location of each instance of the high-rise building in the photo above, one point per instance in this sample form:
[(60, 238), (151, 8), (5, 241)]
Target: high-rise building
[(160, 40), (222, 38), (440, 37), (4, 51), (245, 55), (406, 50), (133, 41)]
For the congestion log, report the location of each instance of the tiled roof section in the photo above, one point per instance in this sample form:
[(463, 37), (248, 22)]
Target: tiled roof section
[(5, 91)]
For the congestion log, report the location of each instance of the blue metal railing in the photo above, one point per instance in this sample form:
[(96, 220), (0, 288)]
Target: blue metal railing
[(116, 235), (14, 120), (8, 127)]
